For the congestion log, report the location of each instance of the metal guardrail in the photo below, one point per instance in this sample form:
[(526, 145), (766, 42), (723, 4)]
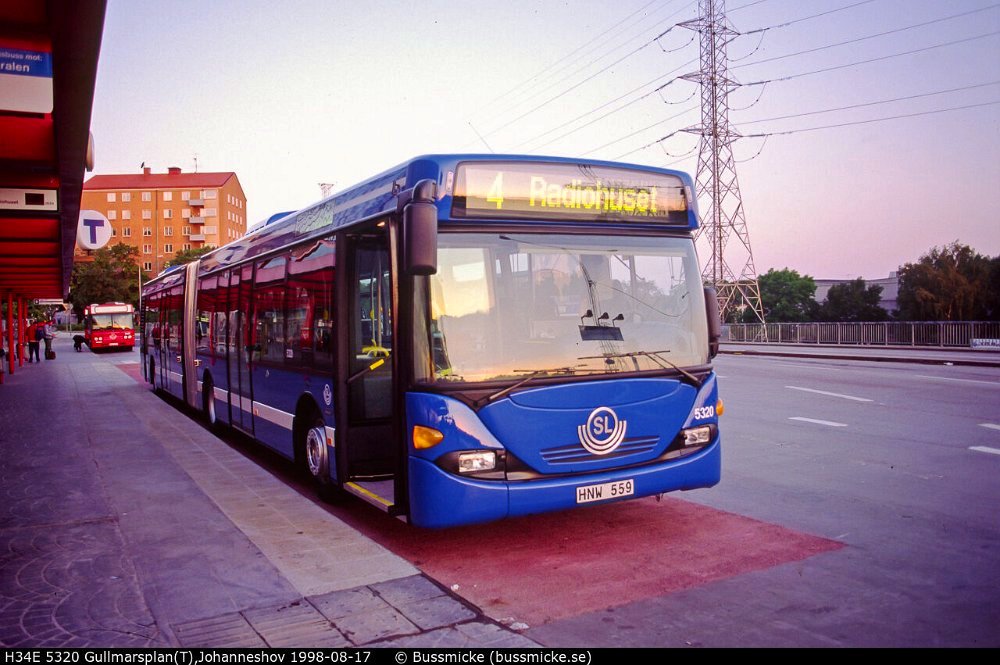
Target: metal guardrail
[(884, 333)]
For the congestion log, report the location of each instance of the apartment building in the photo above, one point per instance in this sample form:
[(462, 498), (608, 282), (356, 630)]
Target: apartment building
[(164, 213)]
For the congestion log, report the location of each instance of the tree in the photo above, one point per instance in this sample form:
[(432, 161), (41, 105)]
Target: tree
[(951, 283), (113, 276), (188, 255), (853, 301), (786, 296)]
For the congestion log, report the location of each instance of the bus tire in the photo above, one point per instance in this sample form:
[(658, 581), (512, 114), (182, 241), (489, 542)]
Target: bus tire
[(208, 402), (316, 456)]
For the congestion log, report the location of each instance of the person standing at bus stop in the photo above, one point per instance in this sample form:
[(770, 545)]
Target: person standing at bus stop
[(48, 334), (36, 332)]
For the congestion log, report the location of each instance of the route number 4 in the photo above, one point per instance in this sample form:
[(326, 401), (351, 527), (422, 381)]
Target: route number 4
[(495, 193)]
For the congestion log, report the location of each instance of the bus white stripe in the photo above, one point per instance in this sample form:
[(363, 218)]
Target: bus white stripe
[(276, 416)]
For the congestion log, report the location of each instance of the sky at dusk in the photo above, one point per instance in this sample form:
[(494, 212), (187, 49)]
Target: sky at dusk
[(295, 93)]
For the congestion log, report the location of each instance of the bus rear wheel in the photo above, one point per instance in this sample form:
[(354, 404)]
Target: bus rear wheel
[(208, 402), (317, 461)]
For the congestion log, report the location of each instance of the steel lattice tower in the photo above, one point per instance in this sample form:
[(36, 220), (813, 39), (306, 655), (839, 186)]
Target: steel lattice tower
[(717, 186)]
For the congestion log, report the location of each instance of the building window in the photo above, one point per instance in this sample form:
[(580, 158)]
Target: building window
[(126, 214), (111, 197), (210, 212), (168, 196), (126, 197), (186, 231), (209, 194), (113, 232), (112, 214), (186, 246), (147, 265), (168, 248), (168, 230), (147, 230), (127, 232), (147, 196), (168, 213), (186, 213), (185, 196), (147, 214), (147, 249)]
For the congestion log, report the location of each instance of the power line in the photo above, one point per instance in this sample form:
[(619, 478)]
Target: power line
[(875, 103), (749, 4), (867, 37), (806, 18), (639, 131), (609, 113), (585, 80), (870, 60), (604, 35), (872, 120)]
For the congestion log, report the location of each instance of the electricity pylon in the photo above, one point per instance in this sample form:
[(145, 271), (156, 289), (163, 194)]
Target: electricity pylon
[(717, 186)]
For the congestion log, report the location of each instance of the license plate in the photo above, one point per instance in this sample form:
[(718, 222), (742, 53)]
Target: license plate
[(605, 491)]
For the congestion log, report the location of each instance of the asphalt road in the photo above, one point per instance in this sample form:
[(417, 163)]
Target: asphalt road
[(899, 462)]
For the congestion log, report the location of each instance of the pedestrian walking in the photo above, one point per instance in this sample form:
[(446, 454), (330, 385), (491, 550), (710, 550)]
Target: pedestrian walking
[(36, 333)]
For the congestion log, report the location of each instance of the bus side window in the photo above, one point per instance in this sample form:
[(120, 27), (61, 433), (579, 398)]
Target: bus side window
[(269, 309), (309, 305)]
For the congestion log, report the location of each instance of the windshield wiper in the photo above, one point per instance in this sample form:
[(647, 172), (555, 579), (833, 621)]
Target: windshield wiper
[(655, 357), (530, 377)]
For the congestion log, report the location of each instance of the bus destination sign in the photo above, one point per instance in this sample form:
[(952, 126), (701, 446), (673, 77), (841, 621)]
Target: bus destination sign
[(576, 192)]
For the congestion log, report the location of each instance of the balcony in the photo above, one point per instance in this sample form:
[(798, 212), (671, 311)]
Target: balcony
[(198, 237), (196, 203), (197, 220)]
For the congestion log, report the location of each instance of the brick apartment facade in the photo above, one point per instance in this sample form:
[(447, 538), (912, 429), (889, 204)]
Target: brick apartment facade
[(164, 213)]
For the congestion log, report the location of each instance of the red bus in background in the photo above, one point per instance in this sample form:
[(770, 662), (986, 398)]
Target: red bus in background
[(109, 326)]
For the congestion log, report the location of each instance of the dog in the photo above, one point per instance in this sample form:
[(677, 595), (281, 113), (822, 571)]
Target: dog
[(78, 342)]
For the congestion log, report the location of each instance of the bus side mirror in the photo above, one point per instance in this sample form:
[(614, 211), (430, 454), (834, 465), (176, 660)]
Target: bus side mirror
[(420, 222), (714, 321)]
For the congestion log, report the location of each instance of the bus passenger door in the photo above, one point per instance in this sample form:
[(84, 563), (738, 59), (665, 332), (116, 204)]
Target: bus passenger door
[(364, 428), (240, 349)]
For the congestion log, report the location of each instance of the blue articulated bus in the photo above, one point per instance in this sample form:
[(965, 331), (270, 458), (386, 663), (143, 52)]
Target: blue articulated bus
[(462, 338)]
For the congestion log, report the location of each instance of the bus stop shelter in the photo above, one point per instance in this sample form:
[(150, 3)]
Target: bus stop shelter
[(48, 66)]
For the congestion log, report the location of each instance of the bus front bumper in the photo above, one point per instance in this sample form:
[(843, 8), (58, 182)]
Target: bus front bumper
[(441, 499)]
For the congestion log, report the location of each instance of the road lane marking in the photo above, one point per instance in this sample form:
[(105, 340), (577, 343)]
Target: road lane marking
[(995, 384), (823, 392), (828, 423), (989, 425), (985, 449)]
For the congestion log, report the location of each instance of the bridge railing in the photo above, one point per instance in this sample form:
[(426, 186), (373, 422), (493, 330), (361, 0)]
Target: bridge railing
[(878, 333)]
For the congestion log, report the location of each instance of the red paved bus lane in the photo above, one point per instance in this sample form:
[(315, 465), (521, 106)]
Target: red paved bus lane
[(546, 567)]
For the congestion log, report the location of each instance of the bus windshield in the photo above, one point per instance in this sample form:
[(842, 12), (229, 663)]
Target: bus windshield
[(111, 321), (508, 306)]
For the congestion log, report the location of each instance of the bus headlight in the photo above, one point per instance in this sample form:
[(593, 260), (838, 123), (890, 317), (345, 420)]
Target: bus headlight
[(697, 436), (476, 461)]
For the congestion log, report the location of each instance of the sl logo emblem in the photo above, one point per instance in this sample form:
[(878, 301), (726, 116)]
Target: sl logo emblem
[(603, 431)]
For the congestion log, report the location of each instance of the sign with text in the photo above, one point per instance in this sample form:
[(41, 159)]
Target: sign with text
[(577, 192), (93, 231), (44, 200), (25, 80)]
